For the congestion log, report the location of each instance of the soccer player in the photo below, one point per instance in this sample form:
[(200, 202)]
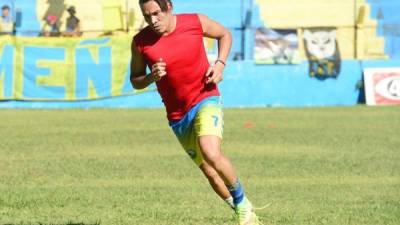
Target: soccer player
[(172, 47)]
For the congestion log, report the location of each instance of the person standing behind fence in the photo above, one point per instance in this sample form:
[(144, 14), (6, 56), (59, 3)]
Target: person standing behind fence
[(73, 28), (51, 29), (6, 21)]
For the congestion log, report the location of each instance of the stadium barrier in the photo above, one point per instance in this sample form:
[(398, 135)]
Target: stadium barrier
[(94, 72), (79, 72)]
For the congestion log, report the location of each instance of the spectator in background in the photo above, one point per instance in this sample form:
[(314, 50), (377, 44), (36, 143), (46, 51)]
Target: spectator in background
[(6, 22), (51, 29), (73, 28)]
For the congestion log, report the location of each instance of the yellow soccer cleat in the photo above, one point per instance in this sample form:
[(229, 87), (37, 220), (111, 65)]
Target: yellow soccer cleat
[(245, 213)]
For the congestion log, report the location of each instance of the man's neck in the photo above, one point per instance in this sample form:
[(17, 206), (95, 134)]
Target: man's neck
[(171, 26)]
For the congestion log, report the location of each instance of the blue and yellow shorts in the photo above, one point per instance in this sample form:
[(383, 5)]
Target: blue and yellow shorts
[(205, 118)]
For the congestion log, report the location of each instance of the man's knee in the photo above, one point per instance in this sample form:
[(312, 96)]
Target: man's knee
[(210, 148)]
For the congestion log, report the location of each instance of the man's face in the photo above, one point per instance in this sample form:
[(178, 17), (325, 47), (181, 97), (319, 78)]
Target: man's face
[(157, 19), (5, 12)]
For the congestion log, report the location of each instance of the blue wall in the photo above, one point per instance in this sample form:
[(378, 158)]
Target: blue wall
[(289, 85)]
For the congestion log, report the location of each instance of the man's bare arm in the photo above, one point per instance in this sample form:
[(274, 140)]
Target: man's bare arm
[(213, 29), (139, 78)]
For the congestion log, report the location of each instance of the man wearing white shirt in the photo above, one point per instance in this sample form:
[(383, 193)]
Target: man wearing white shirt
[(6, 22)]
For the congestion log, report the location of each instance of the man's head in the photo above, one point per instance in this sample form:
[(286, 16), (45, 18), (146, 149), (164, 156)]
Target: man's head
[(158, 14), (71, 10), (5, 11)]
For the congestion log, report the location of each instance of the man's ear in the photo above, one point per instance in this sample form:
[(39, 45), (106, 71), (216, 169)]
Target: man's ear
[(169, 6)]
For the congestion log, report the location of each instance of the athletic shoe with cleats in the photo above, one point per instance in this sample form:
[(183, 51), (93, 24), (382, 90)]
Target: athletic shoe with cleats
[(245, 213)]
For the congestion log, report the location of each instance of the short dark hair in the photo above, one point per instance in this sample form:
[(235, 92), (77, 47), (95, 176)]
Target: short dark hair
[(71, 9), (162, 3), (5, 7)]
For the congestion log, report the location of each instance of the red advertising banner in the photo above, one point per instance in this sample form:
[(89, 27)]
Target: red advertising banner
[(382, 86)]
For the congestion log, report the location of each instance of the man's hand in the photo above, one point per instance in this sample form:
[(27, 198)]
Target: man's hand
[(214, 73), (158, 70)]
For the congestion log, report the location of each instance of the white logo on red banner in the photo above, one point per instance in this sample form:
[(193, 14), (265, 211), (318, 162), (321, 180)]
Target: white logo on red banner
[(382, 86)]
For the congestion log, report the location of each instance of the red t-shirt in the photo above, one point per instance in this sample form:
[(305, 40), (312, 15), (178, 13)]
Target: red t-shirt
[(183, 51)]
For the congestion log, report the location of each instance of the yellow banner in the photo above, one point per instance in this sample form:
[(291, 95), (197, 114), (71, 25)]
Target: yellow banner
[(46, 68)]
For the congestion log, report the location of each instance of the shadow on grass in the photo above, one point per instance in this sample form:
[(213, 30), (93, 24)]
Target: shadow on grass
[(38, 223)]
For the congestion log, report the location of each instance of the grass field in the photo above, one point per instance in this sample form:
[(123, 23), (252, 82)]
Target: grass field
[(313, 166)]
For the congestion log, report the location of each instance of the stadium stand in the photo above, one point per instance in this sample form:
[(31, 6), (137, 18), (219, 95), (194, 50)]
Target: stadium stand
[(365, 29), (28, 24), (307, 13), (385, 12), (369, 44), (235, 15), (299, 14), (96, 16)]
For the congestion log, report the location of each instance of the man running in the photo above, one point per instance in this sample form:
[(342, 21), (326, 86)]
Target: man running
[(172, 47)]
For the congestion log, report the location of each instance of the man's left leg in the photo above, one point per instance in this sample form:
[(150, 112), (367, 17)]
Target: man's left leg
[(208, 128), (186, 133), (210, 146), (217, 183)]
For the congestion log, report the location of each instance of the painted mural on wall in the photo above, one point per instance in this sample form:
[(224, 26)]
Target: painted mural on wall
[(322, 51), (276, 46), (64, 69)]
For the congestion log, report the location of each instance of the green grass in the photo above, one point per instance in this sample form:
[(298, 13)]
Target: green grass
[(313, 166)]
